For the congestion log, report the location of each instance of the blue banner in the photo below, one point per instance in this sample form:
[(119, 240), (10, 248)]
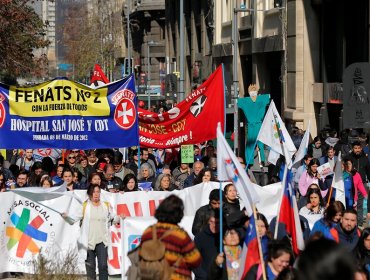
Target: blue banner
[(69, 115)]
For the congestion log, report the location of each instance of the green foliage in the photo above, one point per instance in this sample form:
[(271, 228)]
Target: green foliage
[(21, 32)]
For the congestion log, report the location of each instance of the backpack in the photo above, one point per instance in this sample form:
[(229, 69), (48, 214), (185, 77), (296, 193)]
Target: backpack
[(148, 260)]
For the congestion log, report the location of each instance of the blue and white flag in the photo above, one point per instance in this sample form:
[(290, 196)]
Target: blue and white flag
[(274, 134), (302, 151), (230, 169)]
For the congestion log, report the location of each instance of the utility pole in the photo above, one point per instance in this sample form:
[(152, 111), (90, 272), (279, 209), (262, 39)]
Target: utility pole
[(235, 40), (128, 37), (182, 43)]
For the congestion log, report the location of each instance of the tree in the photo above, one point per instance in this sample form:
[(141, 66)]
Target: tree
[(21, 32), (81, 44)]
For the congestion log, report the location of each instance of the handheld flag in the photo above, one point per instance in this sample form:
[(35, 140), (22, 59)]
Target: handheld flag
[(229, 168), (250, 254), (302, 151), (274, 134), (290, 218)]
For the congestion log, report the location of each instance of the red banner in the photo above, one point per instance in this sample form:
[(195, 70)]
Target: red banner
[(192, 121)]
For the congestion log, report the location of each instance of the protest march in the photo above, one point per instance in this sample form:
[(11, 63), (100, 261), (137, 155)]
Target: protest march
[(86, 171)]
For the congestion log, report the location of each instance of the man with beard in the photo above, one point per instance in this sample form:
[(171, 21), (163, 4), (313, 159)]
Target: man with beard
[(361, 164), (346, 232), (207, 242)]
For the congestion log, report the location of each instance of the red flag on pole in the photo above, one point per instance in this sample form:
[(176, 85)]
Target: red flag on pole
[(98, 77)]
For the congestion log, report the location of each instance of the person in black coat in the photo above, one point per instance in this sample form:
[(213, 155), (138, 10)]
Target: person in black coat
[(207, 242), (203, 213), (234, 217), (362, 165)]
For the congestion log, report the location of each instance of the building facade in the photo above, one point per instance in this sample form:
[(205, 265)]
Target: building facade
[(296, 50)]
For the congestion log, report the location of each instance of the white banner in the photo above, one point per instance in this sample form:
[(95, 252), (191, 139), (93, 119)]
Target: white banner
[(29, 227)]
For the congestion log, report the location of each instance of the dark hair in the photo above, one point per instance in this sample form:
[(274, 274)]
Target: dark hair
[(328, 149), (118, 158), (79, 174), (261, 217), (226, 189), (356, 143), (325, 259), (2, 184), (171, 210), (44, 178), (316, 139), (90, 189), (277, 248), (127, 178), (315, 191), (91, 175), (36, 165), (199, 178), (23, 172), (332, 210), (313, 161), (360, 251), (288, 273), (350, 211), (214, 195), (66, 169), (47, 164), (345, 162)]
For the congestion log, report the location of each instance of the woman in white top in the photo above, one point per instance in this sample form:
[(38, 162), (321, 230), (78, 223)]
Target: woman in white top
[(314, 210), (96, 218)]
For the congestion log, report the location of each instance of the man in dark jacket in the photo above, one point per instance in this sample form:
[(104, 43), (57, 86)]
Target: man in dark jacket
[(362, 165), (346, 232), (207, 242), (203, 213)]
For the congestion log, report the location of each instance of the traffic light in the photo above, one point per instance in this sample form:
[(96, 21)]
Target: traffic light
[(126, 67)]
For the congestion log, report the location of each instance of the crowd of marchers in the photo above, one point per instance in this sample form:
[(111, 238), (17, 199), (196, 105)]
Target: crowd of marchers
[(334, 230)]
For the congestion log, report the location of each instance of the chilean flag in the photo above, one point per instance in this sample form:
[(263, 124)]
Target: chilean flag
[(289, 216), (250, 253)]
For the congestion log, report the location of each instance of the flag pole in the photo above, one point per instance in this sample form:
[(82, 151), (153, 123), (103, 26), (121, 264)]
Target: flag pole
[(284, 178), (280, 200), (259, 244), (221, 217)]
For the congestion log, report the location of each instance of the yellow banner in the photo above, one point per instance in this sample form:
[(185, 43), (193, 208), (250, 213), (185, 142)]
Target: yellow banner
[(58, 98)]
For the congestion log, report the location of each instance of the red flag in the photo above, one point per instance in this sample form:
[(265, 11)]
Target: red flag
[(289, 217), (250, 253), (98, 78), (192, 121)]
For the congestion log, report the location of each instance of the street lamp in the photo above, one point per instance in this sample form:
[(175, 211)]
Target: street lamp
[(128, 37), (150, 44)]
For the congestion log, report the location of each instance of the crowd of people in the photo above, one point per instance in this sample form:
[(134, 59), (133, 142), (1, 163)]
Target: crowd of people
[(325, 221)]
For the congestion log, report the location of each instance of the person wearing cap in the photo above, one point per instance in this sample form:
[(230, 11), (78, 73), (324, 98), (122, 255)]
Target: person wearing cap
[(202, 215)]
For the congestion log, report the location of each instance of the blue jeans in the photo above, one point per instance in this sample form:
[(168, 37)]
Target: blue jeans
[(101, 253)]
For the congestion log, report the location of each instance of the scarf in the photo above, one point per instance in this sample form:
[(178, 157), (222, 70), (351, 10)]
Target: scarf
[(232, 254)]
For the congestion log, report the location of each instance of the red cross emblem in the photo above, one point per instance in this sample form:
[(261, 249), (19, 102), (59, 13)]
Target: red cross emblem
[(2, 111), (125, 113)]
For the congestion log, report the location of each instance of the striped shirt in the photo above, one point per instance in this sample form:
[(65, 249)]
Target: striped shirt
[(178, 245)]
